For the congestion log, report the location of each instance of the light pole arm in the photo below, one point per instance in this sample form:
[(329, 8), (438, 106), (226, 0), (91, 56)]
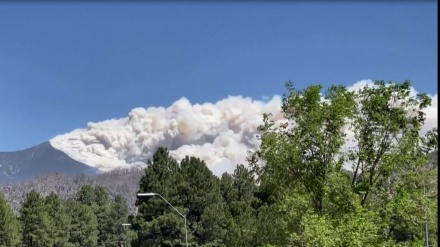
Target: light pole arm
[(183, 216), (171, 205)]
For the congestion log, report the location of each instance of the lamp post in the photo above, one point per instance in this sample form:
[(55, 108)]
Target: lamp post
[(183, 216), (124, 225)]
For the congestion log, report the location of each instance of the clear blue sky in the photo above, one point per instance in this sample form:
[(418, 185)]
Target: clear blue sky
[(63, 65)]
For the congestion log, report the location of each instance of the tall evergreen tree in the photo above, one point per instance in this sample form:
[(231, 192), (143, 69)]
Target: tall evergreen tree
[(98, 200), (86, 195), (238, 191), (157, 224), (37, 225), (84, 230), (118, 215), (102, 212), (57, 211), (202, 197), (9, 225)]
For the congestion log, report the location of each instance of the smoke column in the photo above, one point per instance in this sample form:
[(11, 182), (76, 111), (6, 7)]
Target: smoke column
[(220, 133)]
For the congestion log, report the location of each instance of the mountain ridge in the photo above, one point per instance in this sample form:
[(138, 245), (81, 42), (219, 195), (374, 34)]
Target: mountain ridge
[(37, 160)]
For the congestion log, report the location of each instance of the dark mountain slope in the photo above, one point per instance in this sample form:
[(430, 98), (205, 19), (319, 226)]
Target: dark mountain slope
[(37, 160)]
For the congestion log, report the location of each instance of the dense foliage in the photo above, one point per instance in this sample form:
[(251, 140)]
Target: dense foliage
[(315, 202), (89, 220), (295, 191)]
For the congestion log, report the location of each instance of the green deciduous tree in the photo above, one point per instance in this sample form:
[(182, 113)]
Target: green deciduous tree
[(299, 166), (391, 153), (387, 126), (306, 151)]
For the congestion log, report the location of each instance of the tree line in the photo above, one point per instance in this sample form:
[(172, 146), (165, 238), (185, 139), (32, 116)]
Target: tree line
[(90, 219), (294, 191), (123, 182)]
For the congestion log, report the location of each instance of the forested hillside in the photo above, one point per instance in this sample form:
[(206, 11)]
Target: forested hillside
[(123, 182), (293, 192)]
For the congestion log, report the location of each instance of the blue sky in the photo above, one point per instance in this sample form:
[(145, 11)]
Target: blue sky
[(63, 65)]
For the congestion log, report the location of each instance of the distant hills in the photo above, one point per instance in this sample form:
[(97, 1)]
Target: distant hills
[(38, 160), (47, 169)]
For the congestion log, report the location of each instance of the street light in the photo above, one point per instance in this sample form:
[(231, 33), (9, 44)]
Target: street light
[(183, 216), (124, 225)]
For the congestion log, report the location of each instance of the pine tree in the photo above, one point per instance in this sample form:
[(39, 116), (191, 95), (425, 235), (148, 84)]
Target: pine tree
[(60, 218), (98, 200), (36, 222), (84, 230), (118, 215), (102, 212), (86, 195), (9, 225), (157, 224), (206, 208), (238, 192)]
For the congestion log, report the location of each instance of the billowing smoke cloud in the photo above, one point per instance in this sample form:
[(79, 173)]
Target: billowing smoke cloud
[(221, 134)]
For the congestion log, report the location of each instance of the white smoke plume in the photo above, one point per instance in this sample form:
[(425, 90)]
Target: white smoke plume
[(220, 133)]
